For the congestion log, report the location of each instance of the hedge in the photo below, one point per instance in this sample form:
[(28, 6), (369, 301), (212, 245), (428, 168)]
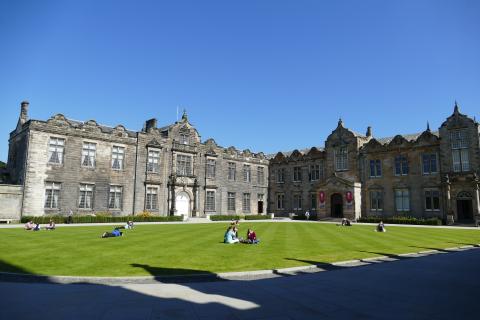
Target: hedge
[(222, 217), (301, 216), (402, 220), (258, 217), (100, 219)]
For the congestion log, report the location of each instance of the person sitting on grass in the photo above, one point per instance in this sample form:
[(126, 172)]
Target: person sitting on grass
[(230, 236), (37, 227), (381, 227), (29, 225), (252, 237), (50, 225), (129, 225), (114, 233)]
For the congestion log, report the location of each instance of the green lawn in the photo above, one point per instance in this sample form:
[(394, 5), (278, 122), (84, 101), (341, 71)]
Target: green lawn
[(191, 248)]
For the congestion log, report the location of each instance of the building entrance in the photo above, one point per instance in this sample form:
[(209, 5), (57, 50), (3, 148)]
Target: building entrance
[(336, 203)]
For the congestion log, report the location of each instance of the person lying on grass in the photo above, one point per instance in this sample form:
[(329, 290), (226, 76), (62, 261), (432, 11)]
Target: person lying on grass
[(230, 236), (114, 233)]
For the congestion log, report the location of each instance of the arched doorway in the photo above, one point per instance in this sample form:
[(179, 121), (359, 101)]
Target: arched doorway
[(464, 206), (182, 204), (336, 205)]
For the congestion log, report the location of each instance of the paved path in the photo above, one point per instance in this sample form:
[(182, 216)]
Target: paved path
[(439, 286)]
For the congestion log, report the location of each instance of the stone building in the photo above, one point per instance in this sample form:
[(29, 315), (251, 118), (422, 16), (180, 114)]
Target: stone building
[(61, 165), (424, 175), (83, 167)]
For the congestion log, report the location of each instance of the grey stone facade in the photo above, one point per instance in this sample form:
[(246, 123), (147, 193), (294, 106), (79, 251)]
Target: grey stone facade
[(171, 171), (162, 170), (409, 175)]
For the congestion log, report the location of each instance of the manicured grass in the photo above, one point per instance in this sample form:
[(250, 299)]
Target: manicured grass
[(193, 248)]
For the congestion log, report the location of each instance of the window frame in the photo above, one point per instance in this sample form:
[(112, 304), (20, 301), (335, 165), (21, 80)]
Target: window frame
[(56, 146), (231, 196), (55, 190), (86, 152), (116, 197), (118, 155), (86, 187)]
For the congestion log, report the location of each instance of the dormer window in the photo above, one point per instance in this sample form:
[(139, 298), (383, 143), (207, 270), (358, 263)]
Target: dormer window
[(341, 159), (184, 138)]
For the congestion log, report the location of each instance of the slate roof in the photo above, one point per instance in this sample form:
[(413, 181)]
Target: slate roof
[(408, 137)]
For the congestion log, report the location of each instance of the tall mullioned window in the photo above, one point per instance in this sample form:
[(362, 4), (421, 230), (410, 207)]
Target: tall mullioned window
[(401, 165), (432, 200), (88, 154), (153, 164), (460, 150), (56, 147), (376, 200), (118, 155), (297, 174), (313, 201), (402, 200), (297, 201), (260, 175), (247, 173), (375, 168), (151, 201), (52, 195), (429, 163), (232, 170), (281, 175), (86, 196), (246, 203), (341, 159), (184, 165), (314, 172), (231, 201), (211, 167), (210, 203), (115, 197)]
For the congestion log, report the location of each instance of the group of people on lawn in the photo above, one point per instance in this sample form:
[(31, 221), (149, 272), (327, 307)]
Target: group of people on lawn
[(31, 226), (231, 235)]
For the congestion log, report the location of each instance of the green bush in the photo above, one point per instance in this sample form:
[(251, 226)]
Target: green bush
[(301, 216), (221, 217), (402, 220), (100, 219), (258, 217)]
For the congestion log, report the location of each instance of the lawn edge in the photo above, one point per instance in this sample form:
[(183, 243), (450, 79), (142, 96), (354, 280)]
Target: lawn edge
[(226, 276)]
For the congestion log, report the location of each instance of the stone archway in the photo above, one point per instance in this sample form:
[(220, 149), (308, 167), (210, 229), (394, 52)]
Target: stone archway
[(336, 205), (182, 204)]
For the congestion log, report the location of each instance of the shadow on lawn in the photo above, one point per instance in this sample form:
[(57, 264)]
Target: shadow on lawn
[(177, 275), (280, 298)]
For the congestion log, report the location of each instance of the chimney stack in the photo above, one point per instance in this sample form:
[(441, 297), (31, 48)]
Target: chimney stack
[(150, 124), (23, 112), (369, 131)]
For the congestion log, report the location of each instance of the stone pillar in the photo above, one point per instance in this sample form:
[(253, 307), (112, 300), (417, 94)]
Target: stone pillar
[(173, 180), (476, 209), (195, 198)]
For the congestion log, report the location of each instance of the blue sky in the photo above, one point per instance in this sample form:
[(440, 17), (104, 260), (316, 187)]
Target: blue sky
[(263, 75)]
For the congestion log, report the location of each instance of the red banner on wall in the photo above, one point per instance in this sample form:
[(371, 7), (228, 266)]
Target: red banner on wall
[(321, 196), (349, 196)]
